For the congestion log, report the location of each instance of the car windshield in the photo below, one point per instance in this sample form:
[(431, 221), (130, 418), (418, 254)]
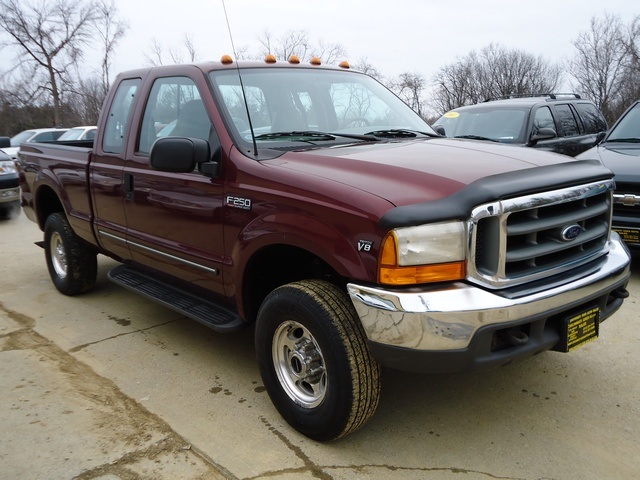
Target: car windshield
[(486, 123), (291, 107), (21, 137), (628, 129)]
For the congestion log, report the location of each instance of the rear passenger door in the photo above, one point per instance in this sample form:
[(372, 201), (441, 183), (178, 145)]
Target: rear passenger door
[(593, 123), (569, 128), (576, 136), (107, 168)]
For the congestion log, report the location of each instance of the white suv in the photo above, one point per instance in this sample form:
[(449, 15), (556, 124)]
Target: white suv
[(32, 135)]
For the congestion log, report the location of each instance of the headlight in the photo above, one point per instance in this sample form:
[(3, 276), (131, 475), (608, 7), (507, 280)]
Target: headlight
[(423, 254), (8, 166)]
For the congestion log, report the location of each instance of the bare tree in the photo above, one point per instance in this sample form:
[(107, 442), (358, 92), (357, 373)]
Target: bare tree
[(598, 66), (363, 65), (409, 87), (296, 42), (51, 37), (110, 30), (494, 72), (158, 56)]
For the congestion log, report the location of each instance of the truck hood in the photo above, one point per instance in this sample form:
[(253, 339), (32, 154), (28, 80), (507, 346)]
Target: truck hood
[(409, 172), (622, 158)]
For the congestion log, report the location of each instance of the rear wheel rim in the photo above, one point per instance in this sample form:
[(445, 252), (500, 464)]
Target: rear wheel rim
[(299, 364), (58, 255)]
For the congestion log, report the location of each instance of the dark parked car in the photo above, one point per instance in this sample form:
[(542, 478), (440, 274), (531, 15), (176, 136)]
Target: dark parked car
[(560, 123), (9, 184), (620, 151)]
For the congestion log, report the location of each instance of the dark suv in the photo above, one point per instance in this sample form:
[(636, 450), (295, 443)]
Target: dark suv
[(620, 151), (561, 123), (9, 184)]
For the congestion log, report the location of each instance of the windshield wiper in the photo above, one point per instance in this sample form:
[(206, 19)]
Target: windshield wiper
[(399, 133), (306, 134), (623, 140), (477, 137), (313, 135)]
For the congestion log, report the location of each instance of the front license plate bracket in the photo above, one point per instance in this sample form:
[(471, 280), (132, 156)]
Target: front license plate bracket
[(578, 329)]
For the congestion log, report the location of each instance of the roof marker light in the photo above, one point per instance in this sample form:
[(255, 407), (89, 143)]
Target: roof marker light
[(344, 64), (226, 60), (315, 61), (270, 58), (294, 59)]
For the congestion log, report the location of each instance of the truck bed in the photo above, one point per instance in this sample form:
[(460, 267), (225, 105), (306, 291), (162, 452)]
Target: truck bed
[(64, 166)]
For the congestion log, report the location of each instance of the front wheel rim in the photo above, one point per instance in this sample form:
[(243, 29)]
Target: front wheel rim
[(299, 364), (58, 255)]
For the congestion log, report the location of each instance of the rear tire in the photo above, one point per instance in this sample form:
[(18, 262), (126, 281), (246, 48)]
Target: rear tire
[(72, 264), (314, 360)]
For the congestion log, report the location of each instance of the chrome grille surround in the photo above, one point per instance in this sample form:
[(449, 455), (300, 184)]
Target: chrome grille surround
[(524, 239)]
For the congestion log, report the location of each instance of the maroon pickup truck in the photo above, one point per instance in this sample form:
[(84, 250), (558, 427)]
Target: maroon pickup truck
[(311, 203)]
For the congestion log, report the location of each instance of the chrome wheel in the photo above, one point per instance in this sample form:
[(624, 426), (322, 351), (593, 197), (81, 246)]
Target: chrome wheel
[(58, 255), (299, 364)]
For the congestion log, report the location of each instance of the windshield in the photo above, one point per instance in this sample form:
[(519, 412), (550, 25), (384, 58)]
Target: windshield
[(486, 123), (628, 128), (21, 137), (344, 106)]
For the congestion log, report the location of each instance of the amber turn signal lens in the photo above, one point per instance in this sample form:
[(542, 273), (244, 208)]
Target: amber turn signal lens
[(441, 272)]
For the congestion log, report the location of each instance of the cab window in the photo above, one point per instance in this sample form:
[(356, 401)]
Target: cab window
[(119, 116), (174, 108), (567, 121), (542, 119), (592, 119)]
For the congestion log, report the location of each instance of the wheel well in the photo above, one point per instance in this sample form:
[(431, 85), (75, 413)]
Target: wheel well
[(278, 265), (47, 202)]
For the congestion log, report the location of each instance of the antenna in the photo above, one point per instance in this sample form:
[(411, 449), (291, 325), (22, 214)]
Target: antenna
[(244, 96)]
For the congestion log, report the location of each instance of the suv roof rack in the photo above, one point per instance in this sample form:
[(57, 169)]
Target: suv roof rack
[(553, 96)]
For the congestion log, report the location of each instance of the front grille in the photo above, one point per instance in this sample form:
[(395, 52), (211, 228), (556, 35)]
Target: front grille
[(626, 200), (528, 238)]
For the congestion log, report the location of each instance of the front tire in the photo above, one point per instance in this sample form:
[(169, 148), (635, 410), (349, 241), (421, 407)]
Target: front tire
[(314, 360), (73, 266)]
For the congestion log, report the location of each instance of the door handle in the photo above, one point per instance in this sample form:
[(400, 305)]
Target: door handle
[(128, 186)]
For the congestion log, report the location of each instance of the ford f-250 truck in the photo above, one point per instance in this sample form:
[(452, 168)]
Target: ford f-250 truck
[(310, 202)]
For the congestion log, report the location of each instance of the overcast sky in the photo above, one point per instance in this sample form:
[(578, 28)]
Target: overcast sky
[(405, 36), (417, 36)]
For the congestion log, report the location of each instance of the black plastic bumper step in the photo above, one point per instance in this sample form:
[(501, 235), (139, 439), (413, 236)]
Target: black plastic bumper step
[(204, 311)]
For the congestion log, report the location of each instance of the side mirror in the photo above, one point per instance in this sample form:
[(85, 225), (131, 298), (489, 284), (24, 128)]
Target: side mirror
[(182, 155), (439, 129), (600, 137), (543, 134), (5, 142)]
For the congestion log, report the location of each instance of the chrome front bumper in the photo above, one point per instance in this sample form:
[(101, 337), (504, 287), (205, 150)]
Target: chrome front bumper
[(447, 318)]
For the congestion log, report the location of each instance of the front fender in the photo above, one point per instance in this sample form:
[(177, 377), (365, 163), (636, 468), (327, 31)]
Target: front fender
[(349, 246)]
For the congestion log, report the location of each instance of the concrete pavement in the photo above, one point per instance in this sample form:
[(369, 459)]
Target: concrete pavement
[(108, 385)]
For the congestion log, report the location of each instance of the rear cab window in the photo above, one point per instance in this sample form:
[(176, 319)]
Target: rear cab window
[(119, 116)]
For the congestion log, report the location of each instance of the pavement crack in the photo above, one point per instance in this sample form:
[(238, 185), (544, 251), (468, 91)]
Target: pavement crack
[(394, 468), (77, 348), (309, 466), (119, 423)]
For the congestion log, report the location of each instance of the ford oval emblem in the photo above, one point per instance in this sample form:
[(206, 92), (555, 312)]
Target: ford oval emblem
[(570, 232)]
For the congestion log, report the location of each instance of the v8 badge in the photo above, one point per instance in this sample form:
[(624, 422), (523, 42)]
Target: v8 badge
[(364, 245)]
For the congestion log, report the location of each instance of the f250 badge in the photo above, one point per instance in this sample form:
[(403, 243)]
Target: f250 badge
[(238, 202)]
